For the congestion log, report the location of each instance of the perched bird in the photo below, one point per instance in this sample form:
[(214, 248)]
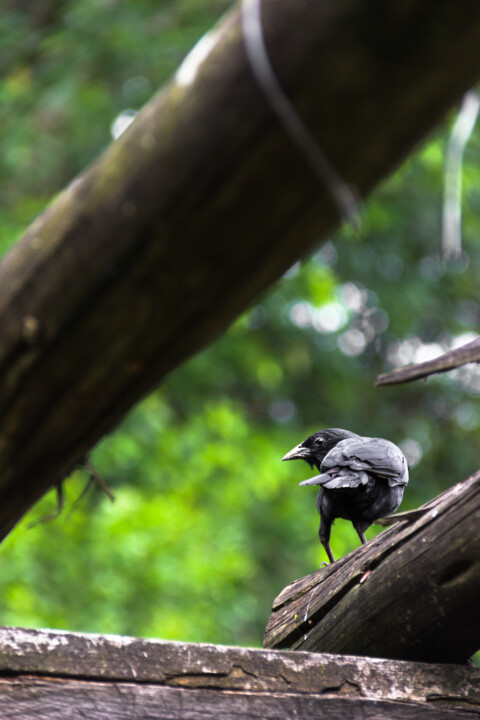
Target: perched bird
[(361, 478)]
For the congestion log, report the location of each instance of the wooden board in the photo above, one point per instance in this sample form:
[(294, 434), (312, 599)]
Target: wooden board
[(50, 675)]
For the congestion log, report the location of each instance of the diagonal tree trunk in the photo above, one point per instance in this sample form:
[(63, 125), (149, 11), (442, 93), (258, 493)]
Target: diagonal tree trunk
[(202, 204)]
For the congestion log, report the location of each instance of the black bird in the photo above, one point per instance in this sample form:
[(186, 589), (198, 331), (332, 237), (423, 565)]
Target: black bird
[(361, 478)]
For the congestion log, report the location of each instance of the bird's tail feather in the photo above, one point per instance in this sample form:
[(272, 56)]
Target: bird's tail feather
[(410, 515), (317, 480), (337, 481)]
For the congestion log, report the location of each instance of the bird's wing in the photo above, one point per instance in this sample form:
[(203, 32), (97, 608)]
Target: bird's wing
[(355, 457), (338, 478)]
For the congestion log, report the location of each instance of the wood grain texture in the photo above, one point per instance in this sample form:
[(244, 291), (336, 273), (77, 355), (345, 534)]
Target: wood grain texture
[(203, 203), (70, 700), (47, 674), (412, 593)]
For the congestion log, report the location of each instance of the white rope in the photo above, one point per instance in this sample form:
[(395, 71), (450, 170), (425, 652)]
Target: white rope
[(452, 185)]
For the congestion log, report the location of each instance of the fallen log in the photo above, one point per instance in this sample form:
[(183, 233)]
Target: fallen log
[(47, 675), (412, 593)]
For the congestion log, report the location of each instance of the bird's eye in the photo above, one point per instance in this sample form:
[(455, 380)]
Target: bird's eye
[(319, 441)]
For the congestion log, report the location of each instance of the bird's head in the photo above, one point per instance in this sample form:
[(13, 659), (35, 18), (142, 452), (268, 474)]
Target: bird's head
[(316, 446)]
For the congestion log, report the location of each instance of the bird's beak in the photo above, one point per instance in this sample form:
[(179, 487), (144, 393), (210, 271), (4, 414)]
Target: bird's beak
[(317, 480), (297, 452)]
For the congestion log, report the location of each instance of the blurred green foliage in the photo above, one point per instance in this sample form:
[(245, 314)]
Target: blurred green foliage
[(208, 525)]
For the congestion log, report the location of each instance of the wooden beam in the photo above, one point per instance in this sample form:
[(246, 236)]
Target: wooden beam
[(202, 204), (412, 593), (50, 675)]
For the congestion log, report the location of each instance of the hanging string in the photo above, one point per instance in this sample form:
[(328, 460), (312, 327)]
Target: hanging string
[(293, 125), (452, 183)]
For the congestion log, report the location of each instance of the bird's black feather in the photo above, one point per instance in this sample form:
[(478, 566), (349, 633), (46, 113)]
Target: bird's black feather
[(361, 478)]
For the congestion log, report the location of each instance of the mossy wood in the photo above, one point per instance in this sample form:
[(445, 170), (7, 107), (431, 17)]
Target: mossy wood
[(203, 203), (412, 593), (47, 675)]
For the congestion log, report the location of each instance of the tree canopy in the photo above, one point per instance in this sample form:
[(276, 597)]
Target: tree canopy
[(207, 525)]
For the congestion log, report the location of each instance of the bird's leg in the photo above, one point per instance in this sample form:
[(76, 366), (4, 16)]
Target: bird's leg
[(328, 550), (324, 535), (362, 537), (360, 527)]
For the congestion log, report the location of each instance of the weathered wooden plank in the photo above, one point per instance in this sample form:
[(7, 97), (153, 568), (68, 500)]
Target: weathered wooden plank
[(411, 593), (50, 673), (39, 699)]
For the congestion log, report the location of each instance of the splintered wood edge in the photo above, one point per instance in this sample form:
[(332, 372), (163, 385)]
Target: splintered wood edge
[(118, 658)]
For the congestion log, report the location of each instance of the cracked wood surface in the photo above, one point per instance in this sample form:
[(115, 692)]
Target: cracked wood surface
[(200, 205), (411, 593), (48, 674)]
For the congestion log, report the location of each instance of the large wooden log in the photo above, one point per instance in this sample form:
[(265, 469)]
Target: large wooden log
[(411, 593), (46, 675), (199, 206)]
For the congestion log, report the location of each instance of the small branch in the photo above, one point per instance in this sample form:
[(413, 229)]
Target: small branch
[(454, 358)]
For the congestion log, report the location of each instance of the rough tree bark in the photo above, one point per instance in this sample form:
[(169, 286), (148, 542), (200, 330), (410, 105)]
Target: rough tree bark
[(412, 593), (202, 204), (46, 675)]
